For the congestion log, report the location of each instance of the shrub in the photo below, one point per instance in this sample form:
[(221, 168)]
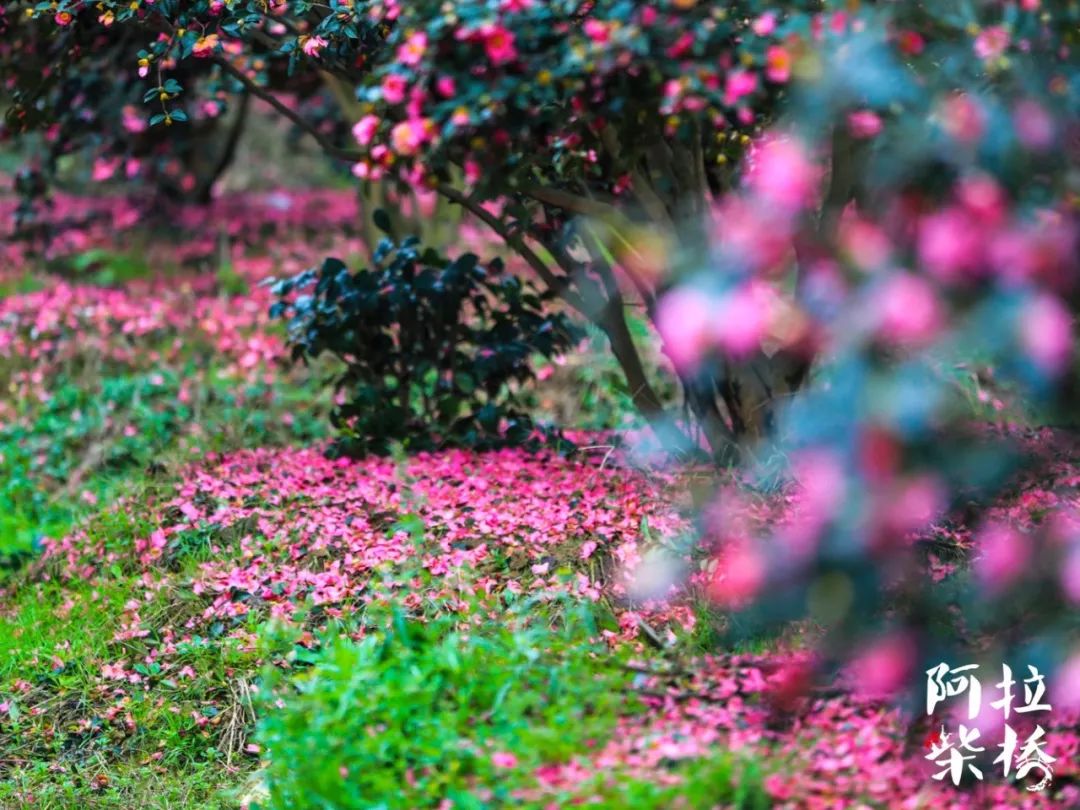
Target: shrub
[(435, 351)]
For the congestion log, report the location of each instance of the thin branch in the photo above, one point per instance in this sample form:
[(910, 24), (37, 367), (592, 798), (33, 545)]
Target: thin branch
[(557, 284), (572, 202), (260, 92)]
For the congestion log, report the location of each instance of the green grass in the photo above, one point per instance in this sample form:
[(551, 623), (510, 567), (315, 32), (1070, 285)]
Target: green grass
[(102, 427), (111, 436), (400, 718), (548, 690)]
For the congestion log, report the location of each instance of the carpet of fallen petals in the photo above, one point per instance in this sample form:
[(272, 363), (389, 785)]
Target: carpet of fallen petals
[(293, 527)]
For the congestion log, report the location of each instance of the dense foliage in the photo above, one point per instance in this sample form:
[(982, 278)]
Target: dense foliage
[(435, 351)]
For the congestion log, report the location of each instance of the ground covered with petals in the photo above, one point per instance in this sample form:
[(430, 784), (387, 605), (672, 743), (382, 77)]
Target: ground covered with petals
[(186, 573), (178, 539)]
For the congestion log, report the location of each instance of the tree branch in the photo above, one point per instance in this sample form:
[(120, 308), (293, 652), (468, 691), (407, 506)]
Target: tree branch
[(561, 286), (260, 92)]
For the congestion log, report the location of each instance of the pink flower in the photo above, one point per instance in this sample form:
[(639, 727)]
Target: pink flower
[(407, 137), (782, 172), (911, 43), (104, 169), (884, 668), (991, 43), (683, 318), (1046, 333), (738, 577), (596, 30), (499, 44), (866, 243), (114, 672), (364, 129), (312, 45), (132, 120), (411, 53), (1004, 554), (205, 46), (864, 124), (765, 24), (1065, 687), (446, 87), (908, 310), (681, 46), (962, 118), (741, 319), (740, 83), (504, 759), (394, 87), (951, 244), (777, 64), (1070, 576), (1034, 125)]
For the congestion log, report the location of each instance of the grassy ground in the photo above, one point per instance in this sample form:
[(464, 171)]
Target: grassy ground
[(197, 610)]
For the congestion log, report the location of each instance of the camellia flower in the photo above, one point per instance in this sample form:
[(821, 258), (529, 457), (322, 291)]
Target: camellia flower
[(312, 45), (950, 244), (765, 24), (741, 319), (597, 31), (504, 759), (864, 124), (412, 51), (205, 46), (911, 43), (991, 43), (740, 83), (132, 120), (1005, 553), (364, 129), (499, 44), (777, 64), (104, 169), (407, 137), (1046, 333), (1065, 689), (445, 86), (908, 310), (885, 667), (1034, 125), (962, 118), (782, 172), (739, 575), (683, 318), (394, 87)]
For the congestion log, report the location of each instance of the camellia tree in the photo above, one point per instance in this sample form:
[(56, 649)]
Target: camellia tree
[(68, 86), (595, 138), (589, 136)]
